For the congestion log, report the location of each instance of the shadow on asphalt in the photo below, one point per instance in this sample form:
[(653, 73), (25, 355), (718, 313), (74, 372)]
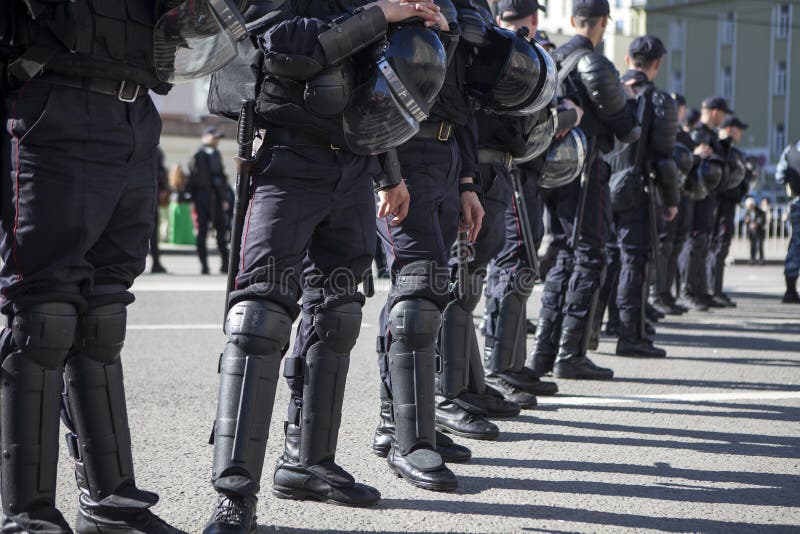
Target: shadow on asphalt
[(729, 411), (577, 515), (728, 342), (721, 384)]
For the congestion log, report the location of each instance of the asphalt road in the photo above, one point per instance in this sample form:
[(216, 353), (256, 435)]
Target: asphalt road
[(707, 440)]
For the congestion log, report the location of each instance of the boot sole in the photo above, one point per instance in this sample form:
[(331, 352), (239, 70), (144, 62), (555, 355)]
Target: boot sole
[(294, 494), (425, 485), (468, 435)]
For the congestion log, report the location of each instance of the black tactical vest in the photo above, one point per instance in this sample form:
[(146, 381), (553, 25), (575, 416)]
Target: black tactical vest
[(110, 39), (453, 102)]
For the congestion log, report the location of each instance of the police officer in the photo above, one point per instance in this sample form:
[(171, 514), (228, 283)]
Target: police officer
[(309, 229), (592, 82), (631, 209), (730, 135), (208, 185), (694, 281), (438, 169), (788, 175), (79, 163), (507, 287)]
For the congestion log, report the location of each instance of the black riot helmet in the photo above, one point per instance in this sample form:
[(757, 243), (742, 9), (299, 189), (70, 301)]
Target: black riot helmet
[(473, 26), (564, 161), (545, 88), (684, 160), (505, 73), (195, 38), (712, 169), (540, 136), (737, 170), (404, 76)]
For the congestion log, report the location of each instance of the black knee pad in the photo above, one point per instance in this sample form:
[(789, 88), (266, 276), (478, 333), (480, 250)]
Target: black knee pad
[(421, 279), (258, 326), (45, 332), (415, 321), (101, 332), (337, 326)]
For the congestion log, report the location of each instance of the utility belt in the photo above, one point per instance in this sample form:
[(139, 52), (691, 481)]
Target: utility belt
[(125, 90), (490, 156), (289, 137), (435, 131)]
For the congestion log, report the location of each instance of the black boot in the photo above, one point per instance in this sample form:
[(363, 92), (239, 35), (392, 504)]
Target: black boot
[(223, 267), (325, 481), (512, 392), (454, 419), (491, 403), (791, 296), (632, 343), (572, 361), (232, 515), (545, 340), (450, 451)]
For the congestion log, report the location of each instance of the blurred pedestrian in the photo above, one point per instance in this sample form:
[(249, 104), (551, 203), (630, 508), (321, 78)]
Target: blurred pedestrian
[(162, 185), (208, 185), (756, 222), (766, 207)]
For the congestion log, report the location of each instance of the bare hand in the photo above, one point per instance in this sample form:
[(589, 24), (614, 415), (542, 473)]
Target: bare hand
[(471, 215), (394, 201), (670, 212), (703, 151), (399, 10)]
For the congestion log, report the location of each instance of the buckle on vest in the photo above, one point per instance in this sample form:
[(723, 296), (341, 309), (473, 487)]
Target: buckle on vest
[(508, 160), (121, 93), (445, 130)]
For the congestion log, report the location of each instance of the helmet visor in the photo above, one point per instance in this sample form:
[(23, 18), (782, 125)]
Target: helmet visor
[(564, 161), (196, 38), (376, 121)]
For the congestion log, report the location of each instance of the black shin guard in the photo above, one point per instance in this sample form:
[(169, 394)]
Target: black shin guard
[(325, 374), (413, 324), (33, 350), (258, 332)]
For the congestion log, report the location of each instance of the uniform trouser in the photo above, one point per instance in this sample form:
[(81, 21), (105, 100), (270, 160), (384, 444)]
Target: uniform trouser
[(208, 205), (430, 169), (460, 350), (792, 264), (756, 244), (694, 256), (78, 190), (681, 225), (721, 244), (633, 235), (509, 284), (572, 282), (310, 228), (155, 252), (607, 295)]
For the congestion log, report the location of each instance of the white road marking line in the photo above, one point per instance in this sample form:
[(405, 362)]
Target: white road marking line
[(190, 326), (670, 397)]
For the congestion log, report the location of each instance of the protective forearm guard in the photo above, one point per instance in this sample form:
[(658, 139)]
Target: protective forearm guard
[(353, 34)]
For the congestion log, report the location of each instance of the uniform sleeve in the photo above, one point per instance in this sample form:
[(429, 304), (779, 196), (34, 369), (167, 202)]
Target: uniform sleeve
[(467, 139), (326, 42)]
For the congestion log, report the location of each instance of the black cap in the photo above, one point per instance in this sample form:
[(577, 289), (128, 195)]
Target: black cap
[(647, 47), (543, 39), (691, 117), (732, 121), (590, 8), (517, 9), (213, 131), (717, 102)]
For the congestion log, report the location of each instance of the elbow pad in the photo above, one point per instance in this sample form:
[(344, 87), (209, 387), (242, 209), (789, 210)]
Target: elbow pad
[(353, 34), (664, 126), (667, 177), (601, 80)]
